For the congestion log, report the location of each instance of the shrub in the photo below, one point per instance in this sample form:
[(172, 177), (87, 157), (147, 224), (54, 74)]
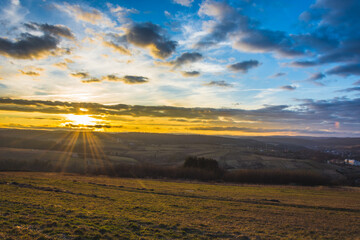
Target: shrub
[(202, 163)]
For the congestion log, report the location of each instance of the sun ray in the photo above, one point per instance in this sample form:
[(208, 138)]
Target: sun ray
[(92, 152), (64, 158), (51, 147), (100, 158), (108, 163), (86, 165)]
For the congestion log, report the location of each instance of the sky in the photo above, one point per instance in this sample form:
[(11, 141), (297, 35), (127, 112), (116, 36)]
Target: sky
[(244, 67)]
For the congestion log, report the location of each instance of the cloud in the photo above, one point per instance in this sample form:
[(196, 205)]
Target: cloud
[(190, 74), (303, 64), (262, 40), (121, 12), (288, 87), (90, 15), (334, 23), (30, 73), (244, 66), (29, 46), (243, 32), (357, 82), (185, 58), (186, 3), (221, 83), (341, 16), (227, 21), (151, 36), (345, 70), (117, 48), (314, 78), (353, 89), (62, 65), (259, 130), (35, 46), (312, 115), (91, 80), (80, 75), (56, 30), (276, 75), (128, 79)]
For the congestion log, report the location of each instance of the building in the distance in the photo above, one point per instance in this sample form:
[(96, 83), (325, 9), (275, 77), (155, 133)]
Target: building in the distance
[(352, 162)]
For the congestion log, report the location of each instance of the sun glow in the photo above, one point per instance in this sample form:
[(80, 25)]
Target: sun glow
[(85, 120)]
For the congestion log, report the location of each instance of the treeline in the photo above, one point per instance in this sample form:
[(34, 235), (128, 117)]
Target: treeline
[(194, 168)]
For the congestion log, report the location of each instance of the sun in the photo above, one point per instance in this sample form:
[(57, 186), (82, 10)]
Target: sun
[(81, 122), (84, 120)]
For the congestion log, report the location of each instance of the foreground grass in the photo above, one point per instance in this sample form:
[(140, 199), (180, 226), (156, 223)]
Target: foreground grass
[(56, 206)]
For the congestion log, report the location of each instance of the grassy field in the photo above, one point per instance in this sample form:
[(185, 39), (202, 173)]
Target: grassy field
[(64, 206)]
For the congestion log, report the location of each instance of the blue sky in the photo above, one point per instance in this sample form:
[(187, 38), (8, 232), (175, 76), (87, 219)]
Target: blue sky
[(245, 55)]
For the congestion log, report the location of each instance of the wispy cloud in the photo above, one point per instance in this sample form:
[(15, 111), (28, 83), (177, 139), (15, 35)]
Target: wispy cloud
[(221, 83)]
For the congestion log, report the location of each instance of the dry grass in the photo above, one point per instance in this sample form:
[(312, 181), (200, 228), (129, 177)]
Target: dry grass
[(65, 206)]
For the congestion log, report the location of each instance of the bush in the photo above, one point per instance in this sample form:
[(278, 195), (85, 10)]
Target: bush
[(202, 163)]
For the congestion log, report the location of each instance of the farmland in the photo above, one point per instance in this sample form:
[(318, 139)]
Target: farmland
[(69, 206)]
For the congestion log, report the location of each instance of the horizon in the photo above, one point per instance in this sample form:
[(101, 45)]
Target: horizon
[(203, 67)]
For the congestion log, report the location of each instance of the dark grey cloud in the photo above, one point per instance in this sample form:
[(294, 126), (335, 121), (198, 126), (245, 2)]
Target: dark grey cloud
[(345, 70), (149, 35), (190, 74), (57, 30), (288, 87), (186, 58), (221, 83), (244, 66), (29, 46)]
